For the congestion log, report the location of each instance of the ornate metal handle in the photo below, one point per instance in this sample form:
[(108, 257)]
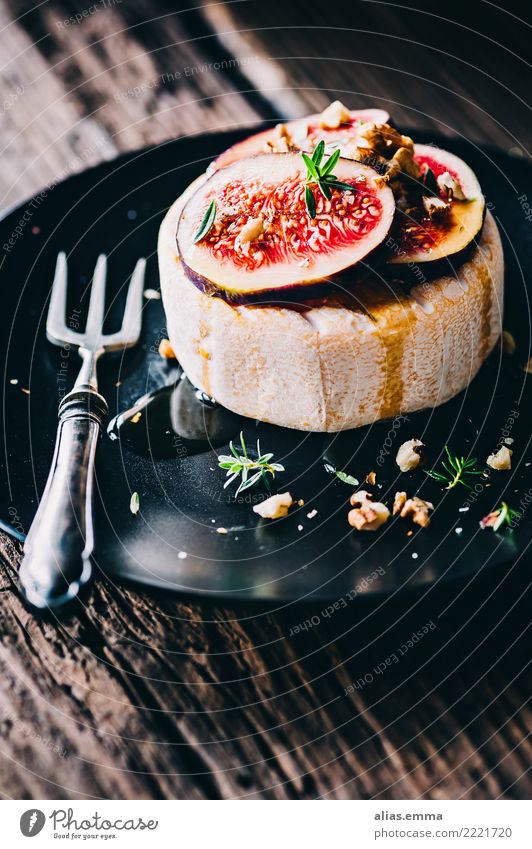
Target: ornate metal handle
[(57, 550)]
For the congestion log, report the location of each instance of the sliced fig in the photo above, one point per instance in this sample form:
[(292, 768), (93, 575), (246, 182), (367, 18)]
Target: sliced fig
[(262, 242), (439, 218), (304, 134)]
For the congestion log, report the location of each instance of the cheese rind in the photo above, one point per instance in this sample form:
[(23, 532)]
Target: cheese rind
[(362, 356)]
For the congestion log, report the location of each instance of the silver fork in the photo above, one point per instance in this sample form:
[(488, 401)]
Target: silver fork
[(58, 548)]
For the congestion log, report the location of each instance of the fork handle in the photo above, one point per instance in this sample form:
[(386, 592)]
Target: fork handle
[(57, 551)]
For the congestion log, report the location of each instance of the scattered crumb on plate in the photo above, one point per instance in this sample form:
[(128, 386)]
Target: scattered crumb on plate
[(165, 350), (274, 507), (152, 294)]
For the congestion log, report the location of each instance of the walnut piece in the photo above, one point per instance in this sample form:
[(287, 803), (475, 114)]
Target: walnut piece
[(371, 478), (399, 502), (435, 207), (450, 186), (367, 515), (251, 230), (392, 148), (501, 460), (415, 508), (385, 139), (402, 162), (165, 350), (281, 141), (274, 507), (334, 115), (408, 456)]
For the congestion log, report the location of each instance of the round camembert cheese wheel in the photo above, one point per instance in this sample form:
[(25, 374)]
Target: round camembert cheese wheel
[(382, 349)]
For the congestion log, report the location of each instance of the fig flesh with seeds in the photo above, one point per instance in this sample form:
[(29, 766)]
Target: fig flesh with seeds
[(261, 243)]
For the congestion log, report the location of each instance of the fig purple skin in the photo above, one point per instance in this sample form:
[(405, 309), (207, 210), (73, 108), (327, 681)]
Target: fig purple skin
[(295, 295)]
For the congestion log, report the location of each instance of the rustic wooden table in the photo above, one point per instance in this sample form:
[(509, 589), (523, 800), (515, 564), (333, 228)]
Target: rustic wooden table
[(149, 697)]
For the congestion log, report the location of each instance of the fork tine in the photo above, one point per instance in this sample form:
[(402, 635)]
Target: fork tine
[(129, 333), (56, 329), (93, 330)]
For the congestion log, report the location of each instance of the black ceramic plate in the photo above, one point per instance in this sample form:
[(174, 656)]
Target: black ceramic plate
[(173, 542)]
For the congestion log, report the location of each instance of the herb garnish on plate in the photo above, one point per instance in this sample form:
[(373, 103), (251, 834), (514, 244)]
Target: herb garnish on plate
[(455, 470), (241, 465)]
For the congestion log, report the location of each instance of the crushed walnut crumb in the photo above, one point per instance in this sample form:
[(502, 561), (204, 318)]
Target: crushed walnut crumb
[(367, 515), (450, 187), (334, 116), (251, 230), (415, 508), (399, 502), (165, 350), (371, 478), (395, 151), (501, 460), (274, 507), (435, 207), (281, 141), (409, 455)]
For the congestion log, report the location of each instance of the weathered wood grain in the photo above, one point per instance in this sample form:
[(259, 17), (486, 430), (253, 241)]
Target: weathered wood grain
[(470, 78), (148, 697)]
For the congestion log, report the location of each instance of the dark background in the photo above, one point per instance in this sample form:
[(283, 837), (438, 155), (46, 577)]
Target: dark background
[(144, 696)]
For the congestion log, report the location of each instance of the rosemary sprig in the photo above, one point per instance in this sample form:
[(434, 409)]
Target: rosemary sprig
[(207, 222), (241, 465), (322, 176), (456, 470)]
